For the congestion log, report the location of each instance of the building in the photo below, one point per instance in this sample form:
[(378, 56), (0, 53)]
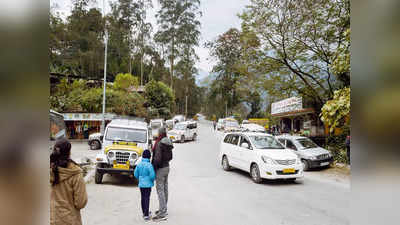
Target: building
[(293, 118), (81, 125)]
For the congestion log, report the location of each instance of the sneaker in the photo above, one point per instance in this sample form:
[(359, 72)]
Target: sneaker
[(160, 218), (158, 212)]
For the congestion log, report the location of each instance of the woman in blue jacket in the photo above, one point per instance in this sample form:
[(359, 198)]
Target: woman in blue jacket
[(144, 172)]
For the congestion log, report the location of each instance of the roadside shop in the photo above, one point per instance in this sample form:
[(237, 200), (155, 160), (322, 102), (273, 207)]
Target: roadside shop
[(81, 125)]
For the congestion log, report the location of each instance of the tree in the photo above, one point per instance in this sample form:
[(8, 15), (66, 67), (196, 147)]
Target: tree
[(178, 27), (335, 113), (298, 42), (124, 81), (159, 98)]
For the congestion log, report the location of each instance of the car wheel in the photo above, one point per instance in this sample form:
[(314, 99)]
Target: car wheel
[(183, 139), (225, 164), (306, 165), (94, 145), (194, 137), (255, 174), (98, 177)]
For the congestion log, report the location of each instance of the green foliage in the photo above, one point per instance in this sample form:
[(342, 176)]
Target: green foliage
[(159, 98), (123, 81), (336, 112), (341, 63)]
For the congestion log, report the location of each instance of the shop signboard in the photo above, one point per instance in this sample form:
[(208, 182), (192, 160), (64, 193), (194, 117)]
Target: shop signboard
[(87, 116), (287, 105)]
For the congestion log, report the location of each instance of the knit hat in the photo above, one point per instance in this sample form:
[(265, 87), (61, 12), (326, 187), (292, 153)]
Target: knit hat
[(146, 154), (162, 130)]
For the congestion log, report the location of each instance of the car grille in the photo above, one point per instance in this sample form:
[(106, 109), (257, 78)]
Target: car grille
[(286, 162), (280, 172), (122, 157), (323, 156)]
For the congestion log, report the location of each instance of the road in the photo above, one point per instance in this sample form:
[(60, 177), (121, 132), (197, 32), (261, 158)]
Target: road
[(202, 193)]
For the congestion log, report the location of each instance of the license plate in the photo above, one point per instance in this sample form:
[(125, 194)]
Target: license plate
[(291, 170), (121, 166), (324, 164), (172, 137)]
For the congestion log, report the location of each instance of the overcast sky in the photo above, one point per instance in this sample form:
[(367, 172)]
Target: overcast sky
[(218, 17)]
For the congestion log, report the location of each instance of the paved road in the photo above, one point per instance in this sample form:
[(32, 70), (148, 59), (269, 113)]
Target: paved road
[(202, 193)]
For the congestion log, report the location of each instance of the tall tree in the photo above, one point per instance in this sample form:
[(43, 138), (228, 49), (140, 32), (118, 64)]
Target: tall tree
[(298, 42)]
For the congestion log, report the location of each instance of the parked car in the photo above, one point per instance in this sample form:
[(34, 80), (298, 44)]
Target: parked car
[(179, 118), (220, 124), (252, 127), (231, 125), (183, 131), (155, 125), (261, 155), (123, 144), (311, 154), (95, 141)]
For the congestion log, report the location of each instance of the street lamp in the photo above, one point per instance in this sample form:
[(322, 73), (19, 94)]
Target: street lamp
[(105, 69)]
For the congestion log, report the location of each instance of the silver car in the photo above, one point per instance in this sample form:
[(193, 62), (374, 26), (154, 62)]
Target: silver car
[(311, 155)]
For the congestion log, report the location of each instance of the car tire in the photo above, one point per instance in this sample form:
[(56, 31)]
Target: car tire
[(94, 145), (306, 165), (255, 173), (194, 137), (225, 163), (98, 177), (183, 139)]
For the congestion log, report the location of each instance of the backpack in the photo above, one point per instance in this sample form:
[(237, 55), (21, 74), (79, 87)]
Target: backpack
[(167, 153)]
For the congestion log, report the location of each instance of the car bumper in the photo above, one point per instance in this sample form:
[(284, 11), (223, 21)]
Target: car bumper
[(320, 163), (130, 171), (276, 171)]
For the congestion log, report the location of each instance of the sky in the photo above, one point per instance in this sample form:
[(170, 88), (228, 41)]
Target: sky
[(218, 17)]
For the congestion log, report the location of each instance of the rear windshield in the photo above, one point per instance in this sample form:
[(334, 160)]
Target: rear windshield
[(232, 124), (126, 134), (265, 142)]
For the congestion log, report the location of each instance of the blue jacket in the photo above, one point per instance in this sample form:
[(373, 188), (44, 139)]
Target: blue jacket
[(144, 172)]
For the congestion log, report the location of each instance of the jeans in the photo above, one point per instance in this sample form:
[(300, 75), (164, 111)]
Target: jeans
[(162, 188), (145, 192)]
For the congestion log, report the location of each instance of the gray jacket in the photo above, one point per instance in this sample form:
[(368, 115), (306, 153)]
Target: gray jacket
[(159, 154)]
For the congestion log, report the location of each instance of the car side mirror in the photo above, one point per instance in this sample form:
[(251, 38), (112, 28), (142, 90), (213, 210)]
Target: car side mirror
[(245, 145)]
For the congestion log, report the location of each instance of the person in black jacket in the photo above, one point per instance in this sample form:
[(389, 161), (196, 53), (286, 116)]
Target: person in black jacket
[(162, 154)]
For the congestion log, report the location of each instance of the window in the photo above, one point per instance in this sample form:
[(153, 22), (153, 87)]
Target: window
[(289, 144), (244, 140), (265, 142), (235, 139), (125, 134), (227, 138), (282, 141)]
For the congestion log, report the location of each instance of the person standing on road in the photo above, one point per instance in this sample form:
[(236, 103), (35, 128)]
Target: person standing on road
[(348, 148), (68, 189), (162, 154), (215, 124), (145, 173)]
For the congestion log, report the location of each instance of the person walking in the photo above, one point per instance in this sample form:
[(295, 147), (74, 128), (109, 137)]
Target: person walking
[(348, 148), (215, 125), (145, 173), (162, 154), (68, 189)]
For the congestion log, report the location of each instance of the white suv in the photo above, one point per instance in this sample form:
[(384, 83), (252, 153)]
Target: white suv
[(261, 155), (183, 131)]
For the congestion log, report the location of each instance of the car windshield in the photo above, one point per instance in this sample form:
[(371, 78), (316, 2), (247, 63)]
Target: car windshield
[(307, 143), (180, 126), (266, 142), (155, 125), (232, 124), (126, 134)]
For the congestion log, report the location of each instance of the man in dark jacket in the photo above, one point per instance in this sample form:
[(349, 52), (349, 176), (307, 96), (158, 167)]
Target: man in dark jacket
[(162, 154)]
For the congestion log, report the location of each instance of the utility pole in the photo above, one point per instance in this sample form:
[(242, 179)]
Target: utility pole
[(105, 71), (142, 44)]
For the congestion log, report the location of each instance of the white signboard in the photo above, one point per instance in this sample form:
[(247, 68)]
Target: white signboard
[(87, 116), (287, 105)]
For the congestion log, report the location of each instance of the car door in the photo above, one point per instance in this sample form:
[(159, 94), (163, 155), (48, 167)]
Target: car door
[(234, 148), (227, 149), (246, 154)]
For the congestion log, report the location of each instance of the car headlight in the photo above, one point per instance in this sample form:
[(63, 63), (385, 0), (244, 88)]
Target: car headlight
[(313, 157), (133, 156), (110, 155), (267, 160)]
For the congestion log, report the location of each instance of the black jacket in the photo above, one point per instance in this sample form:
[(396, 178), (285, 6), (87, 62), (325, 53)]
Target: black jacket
[(158, 160)]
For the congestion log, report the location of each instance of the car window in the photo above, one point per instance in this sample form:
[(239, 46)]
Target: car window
[(244, 139), (227, 138), (307, 143), (235, 139), (282, 141), (289, 144)]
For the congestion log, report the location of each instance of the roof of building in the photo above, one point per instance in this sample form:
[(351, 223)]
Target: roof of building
[(295, 113)]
